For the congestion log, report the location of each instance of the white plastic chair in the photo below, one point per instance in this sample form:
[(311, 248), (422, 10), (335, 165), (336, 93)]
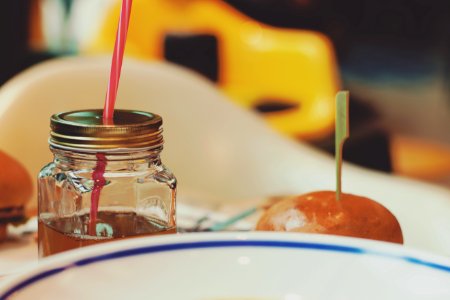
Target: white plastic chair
[(214, 147)]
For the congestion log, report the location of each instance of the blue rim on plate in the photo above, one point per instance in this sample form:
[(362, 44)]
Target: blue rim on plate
[(217, 244)]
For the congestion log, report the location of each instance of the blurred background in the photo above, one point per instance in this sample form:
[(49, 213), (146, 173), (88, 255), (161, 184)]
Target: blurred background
[(282, 59)]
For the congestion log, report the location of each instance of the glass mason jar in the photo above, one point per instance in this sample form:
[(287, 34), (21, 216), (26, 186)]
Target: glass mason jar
[(106, 182)]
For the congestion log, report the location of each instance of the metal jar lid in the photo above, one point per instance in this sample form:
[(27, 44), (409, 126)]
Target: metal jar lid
[(84, 130)]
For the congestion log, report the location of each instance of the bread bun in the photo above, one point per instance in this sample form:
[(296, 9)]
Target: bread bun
[(16, 188), (320, 212)]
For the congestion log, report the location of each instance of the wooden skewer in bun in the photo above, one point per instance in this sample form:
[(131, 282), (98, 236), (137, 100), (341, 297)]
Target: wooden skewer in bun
[(320, 212)]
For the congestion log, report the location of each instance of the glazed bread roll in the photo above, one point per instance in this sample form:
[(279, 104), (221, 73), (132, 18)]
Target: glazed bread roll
[(16, 189), (320, 212)]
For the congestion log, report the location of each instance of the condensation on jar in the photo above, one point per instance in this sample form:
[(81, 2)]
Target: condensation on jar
[(106, 182)]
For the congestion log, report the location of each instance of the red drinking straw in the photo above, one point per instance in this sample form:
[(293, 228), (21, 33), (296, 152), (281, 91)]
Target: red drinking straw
[(99, 182), (116, 65), (108, 110)]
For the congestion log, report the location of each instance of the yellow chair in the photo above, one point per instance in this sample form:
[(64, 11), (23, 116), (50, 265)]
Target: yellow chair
[(256, 63)]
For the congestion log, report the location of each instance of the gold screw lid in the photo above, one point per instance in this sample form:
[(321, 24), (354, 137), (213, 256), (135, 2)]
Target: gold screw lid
[(84, 130)]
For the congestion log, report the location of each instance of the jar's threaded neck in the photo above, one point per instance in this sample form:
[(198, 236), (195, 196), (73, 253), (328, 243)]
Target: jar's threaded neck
[(75, 155)]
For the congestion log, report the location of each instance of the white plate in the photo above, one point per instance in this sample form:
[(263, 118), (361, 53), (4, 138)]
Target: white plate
[(237, 266)]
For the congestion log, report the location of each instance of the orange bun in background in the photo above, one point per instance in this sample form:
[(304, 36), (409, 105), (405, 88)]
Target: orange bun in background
[(320, 212), (16, 189)]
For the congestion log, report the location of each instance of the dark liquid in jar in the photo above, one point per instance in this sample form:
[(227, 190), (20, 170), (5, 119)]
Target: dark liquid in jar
[(62, 234)]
